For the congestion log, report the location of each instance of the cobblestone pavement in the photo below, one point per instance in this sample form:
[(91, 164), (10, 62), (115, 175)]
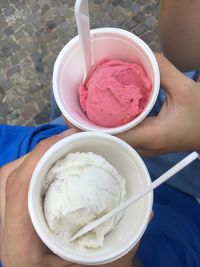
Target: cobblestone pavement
[(33, 32)]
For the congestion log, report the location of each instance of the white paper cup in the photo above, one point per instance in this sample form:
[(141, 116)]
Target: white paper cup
[(133, 223), (109, 43)]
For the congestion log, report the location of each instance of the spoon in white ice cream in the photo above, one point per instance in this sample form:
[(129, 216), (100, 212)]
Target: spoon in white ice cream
[(83, 26), (163, 178)]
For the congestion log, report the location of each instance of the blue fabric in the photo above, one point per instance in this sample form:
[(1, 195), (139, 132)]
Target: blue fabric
[(173, 236), (16, 141)]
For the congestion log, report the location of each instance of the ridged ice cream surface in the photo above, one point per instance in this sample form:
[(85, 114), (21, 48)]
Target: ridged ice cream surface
[(115, 92), (78, 189)]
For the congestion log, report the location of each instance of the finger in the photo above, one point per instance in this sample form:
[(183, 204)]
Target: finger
[(170, 76), (5, 171), (16, 206), (10, 167), (143, 136)]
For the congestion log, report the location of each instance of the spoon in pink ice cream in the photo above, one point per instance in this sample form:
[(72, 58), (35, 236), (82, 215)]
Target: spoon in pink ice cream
[(83, 26)]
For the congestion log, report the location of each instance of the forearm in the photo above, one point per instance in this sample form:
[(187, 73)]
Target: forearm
[(179, 32)]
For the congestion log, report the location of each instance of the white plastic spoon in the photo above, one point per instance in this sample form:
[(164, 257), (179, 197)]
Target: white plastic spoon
[(176, 168), (83, 26)]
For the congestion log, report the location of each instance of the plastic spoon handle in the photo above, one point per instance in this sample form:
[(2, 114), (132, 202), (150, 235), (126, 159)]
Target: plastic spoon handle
[(83, 25), (176, 168)]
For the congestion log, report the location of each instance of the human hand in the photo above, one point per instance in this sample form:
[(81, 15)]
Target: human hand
[(20, 245), (177, 126)]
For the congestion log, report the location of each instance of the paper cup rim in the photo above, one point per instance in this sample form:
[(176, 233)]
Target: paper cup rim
[(39, 229), (147, 109)]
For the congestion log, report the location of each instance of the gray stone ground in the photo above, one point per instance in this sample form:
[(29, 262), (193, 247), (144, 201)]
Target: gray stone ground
[(33, 32)]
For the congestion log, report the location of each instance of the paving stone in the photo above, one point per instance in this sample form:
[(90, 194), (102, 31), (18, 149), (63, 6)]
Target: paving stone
[(9, 11), (152, 9), (14, 47), (139, 17), (50, 25), (19, 34), (139, 29), (31, 46), (116, 2), (35, 56), (6, 84), (27, 71), (64, 26), (44, 9), (8, 31), (43, 116), (129, 25), (15, 59), (37, 25), (21, 5), (28, 28), (14, 1), (14, 101), (6, 51), (44, 79), (150, 22), (39, 66), (4, 4), (60, 20), (3, 23), (12, 70), (70, 3), (142, 2), (148, 37), (28, 111), (2, 94), (4, 109), (44, 51), (2, 77), (34, 6)]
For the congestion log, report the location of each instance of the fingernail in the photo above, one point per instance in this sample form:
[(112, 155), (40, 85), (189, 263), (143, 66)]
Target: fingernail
[(67, 132)]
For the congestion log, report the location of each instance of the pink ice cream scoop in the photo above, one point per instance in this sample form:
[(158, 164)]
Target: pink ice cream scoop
[(115, 93)]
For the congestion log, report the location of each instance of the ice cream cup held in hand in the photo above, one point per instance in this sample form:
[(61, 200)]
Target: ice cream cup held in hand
[(110, 43), (132, 224)]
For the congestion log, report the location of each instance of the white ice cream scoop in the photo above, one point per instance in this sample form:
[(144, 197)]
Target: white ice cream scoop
[(78, 189), (163, 178)]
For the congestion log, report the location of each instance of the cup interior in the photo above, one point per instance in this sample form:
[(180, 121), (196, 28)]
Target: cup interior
[(105, 43), (134, 221)]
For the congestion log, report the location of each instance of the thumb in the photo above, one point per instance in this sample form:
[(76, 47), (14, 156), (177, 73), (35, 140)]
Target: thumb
[(143, 135), (172, 80)]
